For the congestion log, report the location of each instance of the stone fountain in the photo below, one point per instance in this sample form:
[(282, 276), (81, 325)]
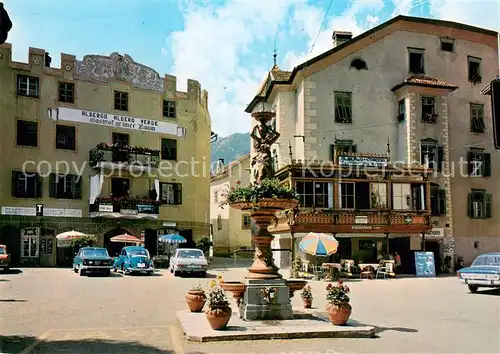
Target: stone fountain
[(264, 295)]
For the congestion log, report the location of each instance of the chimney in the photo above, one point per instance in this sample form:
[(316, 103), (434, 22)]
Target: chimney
[(48, 60), (340, 37)]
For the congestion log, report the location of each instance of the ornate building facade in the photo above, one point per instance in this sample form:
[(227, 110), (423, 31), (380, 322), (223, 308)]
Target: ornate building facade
[(103, 146)]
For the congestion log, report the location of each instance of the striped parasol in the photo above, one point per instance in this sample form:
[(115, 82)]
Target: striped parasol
[(318, 244), (172, 238), (68, 235), (125, 238)]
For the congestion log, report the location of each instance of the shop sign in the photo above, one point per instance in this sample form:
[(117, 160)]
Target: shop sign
[(362, 227), (55, 212), (115, 121), (361, 220), (364, 161), (129, 211), (435, 232), (103, 208)]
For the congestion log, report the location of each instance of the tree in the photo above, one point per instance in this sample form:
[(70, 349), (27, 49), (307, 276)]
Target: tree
[(84, 241), (5, 24), (204, 244)]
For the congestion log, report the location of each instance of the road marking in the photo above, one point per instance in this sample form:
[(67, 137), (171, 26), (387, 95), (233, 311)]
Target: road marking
[(36, 342), (176, 342)]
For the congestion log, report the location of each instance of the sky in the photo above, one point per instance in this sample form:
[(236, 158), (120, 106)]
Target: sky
[(226, 45)]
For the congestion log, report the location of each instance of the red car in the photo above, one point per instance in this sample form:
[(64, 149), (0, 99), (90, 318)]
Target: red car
[(4, 258)]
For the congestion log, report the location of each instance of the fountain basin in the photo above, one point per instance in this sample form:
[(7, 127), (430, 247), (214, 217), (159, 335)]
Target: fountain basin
[(294, 285), (237, 288)]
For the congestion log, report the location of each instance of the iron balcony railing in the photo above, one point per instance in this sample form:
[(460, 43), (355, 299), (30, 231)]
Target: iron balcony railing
[(137, 156)]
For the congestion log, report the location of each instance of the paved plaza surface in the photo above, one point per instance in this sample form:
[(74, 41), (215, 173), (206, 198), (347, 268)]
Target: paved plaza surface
[(53, 310)]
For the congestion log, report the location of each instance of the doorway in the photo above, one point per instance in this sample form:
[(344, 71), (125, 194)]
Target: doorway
[(114, 248), (401, 245), (433, 246), (120, 141), (120, 187)]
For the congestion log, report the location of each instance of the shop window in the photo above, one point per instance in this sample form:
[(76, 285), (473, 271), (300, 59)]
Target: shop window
[(65, 137), (315, 194), (479, 204), (479, 163), (65, 186), (168, 149), (171, 193)]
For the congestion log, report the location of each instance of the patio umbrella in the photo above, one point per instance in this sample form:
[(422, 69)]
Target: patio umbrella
[(172, 238), (68, 235), (319, 244), (125, 238)]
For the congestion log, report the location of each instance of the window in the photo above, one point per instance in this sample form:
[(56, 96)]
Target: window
[(219, 222), (358, 64), (431, 155), (120, 187), (343, 104), (347, 195), (428, 110), (169, 109), (65, 186), (342, 147), (65, 137), (27, 86), (447, 45), (315, 194), (168, 149), (171, 193), (479, 163), (246, 222), (401, 196), (27, 133), (378, 196), (26, 185), (477, 118), (67, 92), (416, 60), (474, 65), (29, 245), (121, 101), (401, 110), (438, 200), (120, 139), (479, 206), (216, 197)]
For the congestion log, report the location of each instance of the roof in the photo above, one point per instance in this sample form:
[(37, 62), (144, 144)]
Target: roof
[(230, 165), (421, 80), (267, 85)]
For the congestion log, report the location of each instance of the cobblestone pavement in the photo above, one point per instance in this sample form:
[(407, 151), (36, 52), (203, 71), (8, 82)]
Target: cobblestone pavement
[(56, 311)]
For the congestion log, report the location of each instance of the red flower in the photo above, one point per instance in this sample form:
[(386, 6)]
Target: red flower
[(341, 282), (329, 286), (238, 182)]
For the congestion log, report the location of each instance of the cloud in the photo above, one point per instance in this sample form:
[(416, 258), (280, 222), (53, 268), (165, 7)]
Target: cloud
[(481, 13), (213, 48), (403, 7)]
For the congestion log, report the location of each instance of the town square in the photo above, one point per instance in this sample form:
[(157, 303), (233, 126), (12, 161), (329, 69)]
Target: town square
[(250, 177)]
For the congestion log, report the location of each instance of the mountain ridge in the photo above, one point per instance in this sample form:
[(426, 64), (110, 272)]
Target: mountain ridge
[(230, 147)]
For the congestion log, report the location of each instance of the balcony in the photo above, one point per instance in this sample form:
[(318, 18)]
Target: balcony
[(127, 208), (356, 221), (124, 157)]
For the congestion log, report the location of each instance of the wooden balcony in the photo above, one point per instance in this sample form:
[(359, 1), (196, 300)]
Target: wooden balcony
[(359, 221), (126, 208)]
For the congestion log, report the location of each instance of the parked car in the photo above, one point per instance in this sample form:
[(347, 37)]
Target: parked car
[(4, 258), (189, 260), (134, 259), (483, 273), (92, 260)]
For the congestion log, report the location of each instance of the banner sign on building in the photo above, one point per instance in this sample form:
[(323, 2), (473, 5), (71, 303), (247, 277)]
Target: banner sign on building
[(55, 212), (364, 161), (115, 121), (424, 264)]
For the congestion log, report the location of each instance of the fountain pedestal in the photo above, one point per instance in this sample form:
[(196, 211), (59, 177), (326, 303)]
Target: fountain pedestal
[(266, 299)]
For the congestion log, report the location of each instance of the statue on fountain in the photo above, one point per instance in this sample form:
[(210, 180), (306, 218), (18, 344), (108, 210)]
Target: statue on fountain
[(264, 136)]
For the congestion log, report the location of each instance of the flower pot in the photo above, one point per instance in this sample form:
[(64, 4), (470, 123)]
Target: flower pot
[(195, 300), (218, 317), (307, 303), (338, 314)]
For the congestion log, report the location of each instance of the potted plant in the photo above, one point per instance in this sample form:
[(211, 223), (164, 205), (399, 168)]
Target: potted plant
[(218, 312), (338, 307), (196, 299), (306, 296)]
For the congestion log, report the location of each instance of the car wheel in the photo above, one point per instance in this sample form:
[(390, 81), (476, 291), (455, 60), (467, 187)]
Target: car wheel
[(81, 271), (171, 270), (203, 274), (75, 270), (473, 289), (107, 272), (150, 272)]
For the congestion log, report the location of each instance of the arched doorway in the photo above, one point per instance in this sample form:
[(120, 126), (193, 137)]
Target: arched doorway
[(114, 248)]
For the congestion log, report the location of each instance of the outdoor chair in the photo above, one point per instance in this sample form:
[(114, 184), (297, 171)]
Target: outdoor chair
[(317, 271), (346, 269), (367, 272), (385, 268)]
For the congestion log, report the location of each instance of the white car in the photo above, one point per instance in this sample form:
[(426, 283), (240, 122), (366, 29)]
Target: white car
[(189, 261)]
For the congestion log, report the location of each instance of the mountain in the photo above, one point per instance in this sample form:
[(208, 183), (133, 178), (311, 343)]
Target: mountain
[(230, 147)]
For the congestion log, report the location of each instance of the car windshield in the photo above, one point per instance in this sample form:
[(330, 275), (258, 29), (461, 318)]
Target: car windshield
[(487, 260), (190, 254), (138, 253), (95, 253), (2, 250)]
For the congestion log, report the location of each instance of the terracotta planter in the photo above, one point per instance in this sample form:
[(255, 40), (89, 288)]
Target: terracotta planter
[(195, 300), (338, 314), (307, 303), (218, 317)]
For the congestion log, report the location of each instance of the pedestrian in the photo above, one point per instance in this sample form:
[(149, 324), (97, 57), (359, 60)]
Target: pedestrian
[(397, 261)]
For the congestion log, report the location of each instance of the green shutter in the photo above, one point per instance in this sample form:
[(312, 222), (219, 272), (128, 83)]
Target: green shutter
[(440, 158), (487, 205), (39, 186), (354, 149), (52, 185), (469, 160), (332, 152), (442, 202), (486, 165), (178, 193), (470, 209), (174, 150), (77, 183), (14, 183)]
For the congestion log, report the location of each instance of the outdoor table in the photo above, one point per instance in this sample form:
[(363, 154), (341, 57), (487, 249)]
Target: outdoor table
[(330, 267), (366, 265)]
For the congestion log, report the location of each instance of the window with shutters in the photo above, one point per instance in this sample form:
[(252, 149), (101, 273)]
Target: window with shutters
[(477, 118), (431, 155), (65, 137), (171, 193), (26, 185), (343, 107), (479, 163), (479, 204), (65, 186), (27, 133), (169, 109), (27, 86), (168, 149), (438, 200), (67, 92)]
